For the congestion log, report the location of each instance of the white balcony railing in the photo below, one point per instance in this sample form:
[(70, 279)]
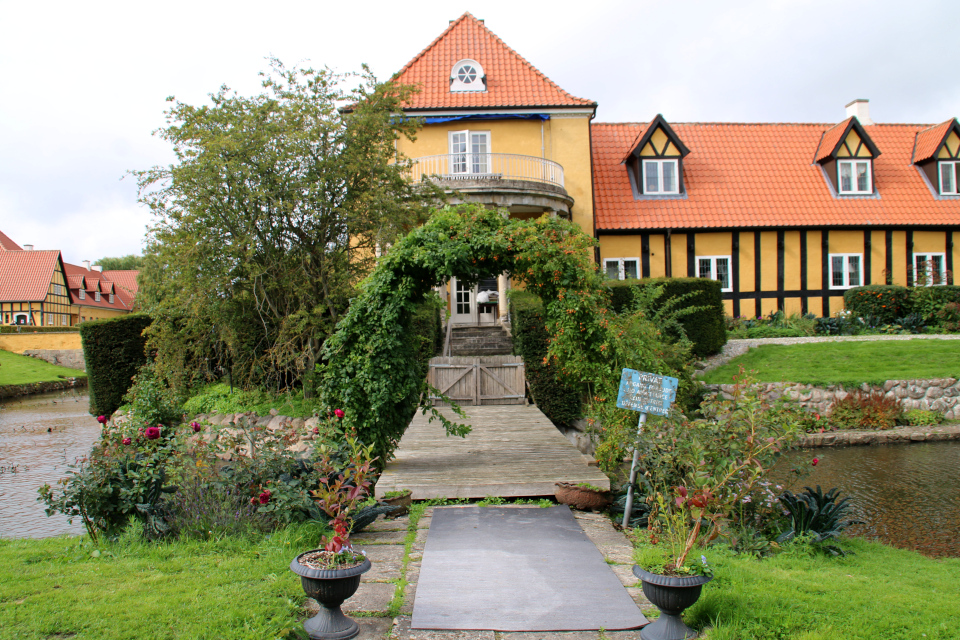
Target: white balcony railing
[(486, 166)]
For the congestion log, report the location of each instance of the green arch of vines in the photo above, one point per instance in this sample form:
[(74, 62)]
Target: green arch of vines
[(368, 371)]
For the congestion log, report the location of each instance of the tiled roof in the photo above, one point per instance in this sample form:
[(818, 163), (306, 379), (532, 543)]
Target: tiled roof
[(762, 175), (831, 138), (511, 80), (6, 244), (97, 281), (125, 280), (929, 139), (25, 276)]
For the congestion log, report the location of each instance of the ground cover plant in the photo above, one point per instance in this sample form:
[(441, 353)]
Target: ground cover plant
[(17, 369), (847, 363)]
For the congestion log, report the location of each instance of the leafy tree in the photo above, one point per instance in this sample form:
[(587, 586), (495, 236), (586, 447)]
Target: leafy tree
[(271, 214), (129, 262)]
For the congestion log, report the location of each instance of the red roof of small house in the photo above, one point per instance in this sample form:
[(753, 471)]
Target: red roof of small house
[(511, 80), (25, 276), (831, 138), (764, 175), (6, 244), (94, 281), (929, 140), (126, 280)]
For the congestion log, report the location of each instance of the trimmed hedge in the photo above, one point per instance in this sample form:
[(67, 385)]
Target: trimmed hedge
[(707, 330), (114, 352), (884, 302), (559, 401), (427, 327)]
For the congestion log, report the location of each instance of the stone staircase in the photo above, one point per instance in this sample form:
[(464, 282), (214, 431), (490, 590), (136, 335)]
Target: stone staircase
[(480, 341)]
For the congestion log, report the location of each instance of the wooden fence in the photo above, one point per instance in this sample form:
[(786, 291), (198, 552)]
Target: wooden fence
[(479, 380)]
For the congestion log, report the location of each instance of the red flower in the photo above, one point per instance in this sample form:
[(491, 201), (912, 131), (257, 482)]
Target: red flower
[(264, 497), (152, 433), (339, 413), (316, 429), (196, 426), (102, 419), (815, 461), (127, 441), (254, 500)]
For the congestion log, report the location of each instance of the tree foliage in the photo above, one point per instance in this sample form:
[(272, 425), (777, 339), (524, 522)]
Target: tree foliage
[(128, 262), (269, 217)]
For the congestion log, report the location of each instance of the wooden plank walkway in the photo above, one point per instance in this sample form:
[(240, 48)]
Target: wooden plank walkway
[(513, 451)]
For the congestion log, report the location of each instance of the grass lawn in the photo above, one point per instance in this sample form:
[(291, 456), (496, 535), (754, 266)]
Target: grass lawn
[(848, 363), (16, 369), (879, 592)]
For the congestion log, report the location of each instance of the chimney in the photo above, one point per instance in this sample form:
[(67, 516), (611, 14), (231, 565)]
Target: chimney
[(97, 267), (86, 263), (28, 247), (860, 108)]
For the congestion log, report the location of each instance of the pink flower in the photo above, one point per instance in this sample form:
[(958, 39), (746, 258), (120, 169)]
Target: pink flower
[(102, 419), (152, 433), (815, 461), (339, 413), (196, 427), (265, 497), (127, 441), (316, 430), (253, 500)]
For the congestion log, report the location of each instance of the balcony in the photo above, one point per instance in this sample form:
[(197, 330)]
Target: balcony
[(509, 180)]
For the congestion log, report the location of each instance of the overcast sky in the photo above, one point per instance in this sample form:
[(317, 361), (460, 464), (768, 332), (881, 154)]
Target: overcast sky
[(84, 83)]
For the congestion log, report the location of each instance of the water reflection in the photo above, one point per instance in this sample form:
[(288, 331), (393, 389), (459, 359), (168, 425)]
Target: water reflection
[(39, 436), (908, 494)]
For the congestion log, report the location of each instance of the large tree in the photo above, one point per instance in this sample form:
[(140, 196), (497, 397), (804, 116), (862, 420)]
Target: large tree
[(273, 211)]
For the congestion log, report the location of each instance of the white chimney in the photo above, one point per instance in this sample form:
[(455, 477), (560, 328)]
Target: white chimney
[(28, 247), (97, 267), (860, 108), (86, 263)]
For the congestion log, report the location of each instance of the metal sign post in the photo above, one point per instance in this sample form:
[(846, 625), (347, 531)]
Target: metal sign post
[(646, 393)]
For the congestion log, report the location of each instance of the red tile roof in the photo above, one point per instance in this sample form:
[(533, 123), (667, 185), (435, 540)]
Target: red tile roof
[(831, 138), (25, 276), (97, 282), (511, 80), (763, 175), (929, 140), (126, 281), (6, 244)]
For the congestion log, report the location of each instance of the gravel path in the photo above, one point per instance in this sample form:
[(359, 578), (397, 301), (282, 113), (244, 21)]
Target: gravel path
[(735, 348)]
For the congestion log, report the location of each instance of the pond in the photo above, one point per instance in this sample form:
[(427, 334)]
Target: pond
[(908, 494), (39, 436)]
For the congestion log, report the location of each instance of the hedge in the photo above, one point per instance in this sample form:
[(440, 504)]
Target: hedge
[(113, 351), (427, 326), (559, 401), (884, 302), (707, 330)]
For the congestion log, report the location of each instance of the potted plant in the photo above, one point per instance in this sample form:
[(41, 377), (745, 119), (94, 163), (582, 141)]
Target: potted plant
[(332, 574), (402, 499), (583, 496)]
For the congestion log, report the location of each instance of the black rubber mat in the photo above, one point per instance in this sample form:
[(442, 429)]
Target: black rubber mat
[(517, 569)]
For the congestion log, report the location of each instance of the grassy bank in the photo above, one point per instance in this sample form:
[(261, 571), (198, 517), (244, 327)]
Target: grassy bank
[(848, 363), (16, 369), (879, 592)]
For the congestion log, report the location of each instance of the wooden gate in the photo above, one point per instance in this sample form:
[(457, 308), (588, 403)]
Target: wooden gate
[(478, 380)]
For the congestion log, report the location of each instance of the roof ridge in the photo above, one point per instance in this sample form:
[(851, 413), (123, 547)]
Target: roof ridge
[(423, 52)]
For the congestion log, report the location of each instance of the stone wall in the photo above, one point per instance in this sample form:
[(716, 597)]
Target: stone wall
[(17, 390), (938, 394), (70, 358)]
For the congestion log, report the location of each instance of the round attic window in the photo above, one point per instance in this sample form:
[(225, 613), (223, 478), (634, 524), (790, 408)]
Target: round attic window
[(467, 75)]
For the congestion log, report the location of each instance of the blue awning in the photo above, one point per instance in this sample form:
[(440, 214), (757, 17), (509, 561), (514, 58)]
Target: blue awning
[(487, 116)]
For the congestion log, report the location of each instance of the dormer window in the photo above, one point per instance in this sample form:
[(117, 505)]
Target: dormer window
[(660, 177), (111, 298), (96, 296), (467, 75), (655, 161), (936, 153), (948, 178), (82, 294), (855, 177)]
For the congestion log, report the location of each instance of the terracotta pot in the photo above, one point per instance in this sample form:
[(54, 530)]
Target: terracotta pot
[(581, 497), (671, 595), (329, 587)]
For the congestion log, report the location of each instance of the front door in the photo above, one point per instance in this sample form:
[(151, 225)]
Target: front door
[(475, 305)]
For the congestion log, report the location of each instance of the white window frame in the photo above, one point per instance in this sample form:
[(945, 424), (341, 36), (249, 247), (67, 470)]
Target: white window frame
[(58, 289), (621, 270), (82, 294), (474, 85), (953, 165), (713, 270), (64, 320), (926, 257), (660, 162), (473, 162), (110, 298), (96, 296), (854, 190), (846, 270)]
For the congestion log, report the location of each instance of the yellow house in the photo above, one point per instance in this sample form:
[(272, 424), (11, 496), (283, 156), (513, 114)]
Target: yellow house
[(499, 133)]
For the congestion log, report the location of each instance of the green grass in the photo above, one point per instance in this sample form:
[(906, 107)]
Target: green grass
[(879, 592), (16, 369), (218, 398), (847, 363)]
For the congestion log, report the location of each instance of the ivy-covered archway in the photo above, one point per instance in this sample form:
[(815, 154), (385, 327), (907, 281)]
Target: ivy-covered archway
[(368, 371)]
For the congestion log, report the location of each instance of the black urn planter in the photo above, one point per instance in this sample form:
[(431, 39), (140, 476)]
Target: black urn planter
[(329, 587), (671, 595)]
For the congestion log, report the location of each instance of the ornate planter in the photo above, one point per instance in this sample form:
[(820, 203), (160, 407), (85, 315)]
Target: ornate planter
[(329, 587), (581, 497), (671, 595)]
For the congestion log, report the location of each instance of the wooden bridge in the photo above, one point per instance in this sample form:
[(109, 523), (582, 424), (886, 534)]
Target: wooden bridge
[(512, 451)]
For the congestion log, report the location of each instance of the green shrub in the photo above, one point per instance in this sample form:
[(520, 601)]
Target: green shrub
[(114, 352), (883, 302), (922, 418), (706, 330), (427, 325), (862, 410), (559, 401), (948, 317), (927, 301), (149, 402)]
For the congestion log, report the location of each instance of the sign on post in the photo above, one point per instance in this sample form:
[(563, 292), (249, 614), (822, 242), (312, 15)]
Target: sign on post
[(646, 393)]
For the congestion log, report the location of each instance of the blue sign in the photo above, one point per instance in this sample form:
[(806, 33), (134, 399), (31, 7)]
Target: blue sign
[(646, 392)]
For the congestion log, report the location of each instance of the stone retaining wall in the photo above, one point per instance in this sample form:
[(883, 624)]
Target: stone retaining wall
[(17, 390), (938, 394), (899, 435), (70, 358)]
